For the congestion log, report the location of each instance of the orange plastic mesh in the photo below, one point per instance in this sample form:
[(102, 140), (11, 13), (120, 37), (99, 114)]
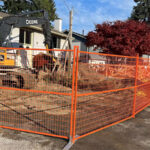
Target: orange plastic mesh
[(34, 98), (54, 98)]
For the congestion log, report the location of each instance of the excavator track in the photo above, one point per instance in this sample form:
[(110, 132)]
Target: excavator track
[(19, 78), (24, 79)]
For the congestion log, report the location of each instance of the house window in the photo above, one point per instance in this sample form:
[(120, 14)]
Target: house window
[(25, 36), (55, 42), (21, 36), (28, 37)]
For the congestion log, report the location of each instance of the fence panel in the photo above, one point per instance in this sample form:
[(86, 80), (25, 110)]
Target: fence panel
[(143, 85), (106, 91), (48, 95), (35, 97)]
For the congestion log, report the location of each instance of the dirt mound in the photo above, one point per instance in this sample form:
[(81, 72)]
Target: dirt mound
[(86, 72), (89, 79)]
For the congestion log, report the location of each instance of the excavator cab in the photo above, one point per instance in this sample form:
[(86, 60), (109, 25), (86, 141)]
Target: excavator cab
[(4, 60)]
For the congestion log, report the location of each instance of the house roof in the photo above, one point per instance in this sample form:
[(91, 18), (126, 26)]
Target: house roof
[(58, 33), (76, 34), (53, 31)]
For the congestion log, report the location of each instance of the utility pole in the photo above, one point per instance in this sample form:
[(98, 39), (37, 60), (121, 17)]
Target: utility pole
[(70, 27), (70, 41)]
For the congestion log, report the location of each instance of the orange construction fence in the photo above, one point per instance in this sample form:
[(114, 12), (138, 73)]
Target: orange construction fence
[(47, 92)]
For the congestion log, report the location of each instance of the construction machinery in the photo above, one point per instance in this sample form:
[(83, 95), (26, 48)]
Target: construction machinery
[(3, 59), (9, 72)]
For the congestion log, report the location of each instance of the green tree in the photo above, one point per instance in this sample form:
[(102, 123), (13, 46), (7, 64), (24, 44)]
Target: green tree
[(141, 11), (19, 6), (15, 6), (48, 5)]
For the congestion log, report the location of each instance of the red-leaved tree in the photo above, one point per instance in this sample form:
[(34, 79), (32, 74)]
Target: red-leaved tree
[(123, 38)]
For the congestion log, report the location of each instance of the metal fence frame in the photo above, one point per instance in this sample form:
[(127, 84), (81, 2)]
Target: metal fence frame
[(73, 137)]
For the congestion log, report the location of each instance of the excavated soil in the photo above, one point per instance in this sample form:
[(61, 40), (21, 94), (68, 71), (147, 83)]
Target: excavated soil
[(37, 110), (50, 113)]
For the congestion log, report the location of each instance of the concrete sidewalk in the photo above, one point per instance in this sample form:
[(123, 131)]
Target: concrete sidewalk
[(133, 134)]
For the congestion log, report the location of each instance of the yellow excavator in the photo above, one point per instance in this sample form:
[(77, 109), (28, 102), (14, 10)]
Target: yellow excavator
[(11, 75), (4, 61), (9, 72)]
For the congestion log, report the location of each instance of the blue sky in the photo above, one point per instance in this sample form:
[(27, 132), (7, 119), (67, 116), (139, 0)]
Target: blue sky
[(90, 12)]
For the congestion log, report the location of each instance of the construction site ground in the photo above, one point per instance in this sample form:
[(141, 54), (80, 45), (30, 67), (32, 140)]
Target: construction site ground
[(50, 113), (26, 110), (133, 134)]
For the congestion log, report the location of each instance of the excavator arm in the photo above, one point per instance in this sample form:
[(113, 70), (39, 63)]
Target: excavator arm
[(23, 20)]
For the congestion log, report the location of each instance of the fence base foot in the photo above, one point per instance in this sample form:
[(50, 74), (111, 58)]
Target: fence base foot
[(70, 144)]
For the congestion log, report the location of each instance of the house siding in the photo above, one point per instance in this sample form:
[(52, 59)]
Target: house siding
[(37, 41)]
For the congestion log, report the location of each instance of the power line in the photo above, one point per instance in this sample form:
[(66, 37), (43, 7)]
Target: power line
[(76, 12), (93, 22), (66, 4), (81, 25)]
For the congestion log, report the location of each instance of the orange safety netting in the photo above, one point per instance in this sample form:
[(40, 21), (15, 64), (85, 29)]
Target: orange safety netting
[(46, 95)]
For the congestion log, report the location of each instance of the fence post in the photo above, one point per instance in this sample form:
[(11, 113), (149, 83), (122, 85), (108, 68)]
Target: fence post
[(75, 98), (135, 85), (71, 141), (106, 70), (72, 98)]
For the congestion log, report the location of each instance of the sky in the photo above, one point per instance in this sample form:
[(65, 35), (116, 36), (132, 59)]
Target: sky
[(87, 13)]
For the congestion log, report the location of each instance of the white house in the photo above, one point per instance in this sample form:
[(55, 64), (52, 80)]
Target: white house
[(32, 37)]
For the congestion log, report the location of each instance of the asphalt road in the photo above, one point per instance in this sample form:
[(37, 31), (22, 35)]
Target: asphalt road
[(133, 134)]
